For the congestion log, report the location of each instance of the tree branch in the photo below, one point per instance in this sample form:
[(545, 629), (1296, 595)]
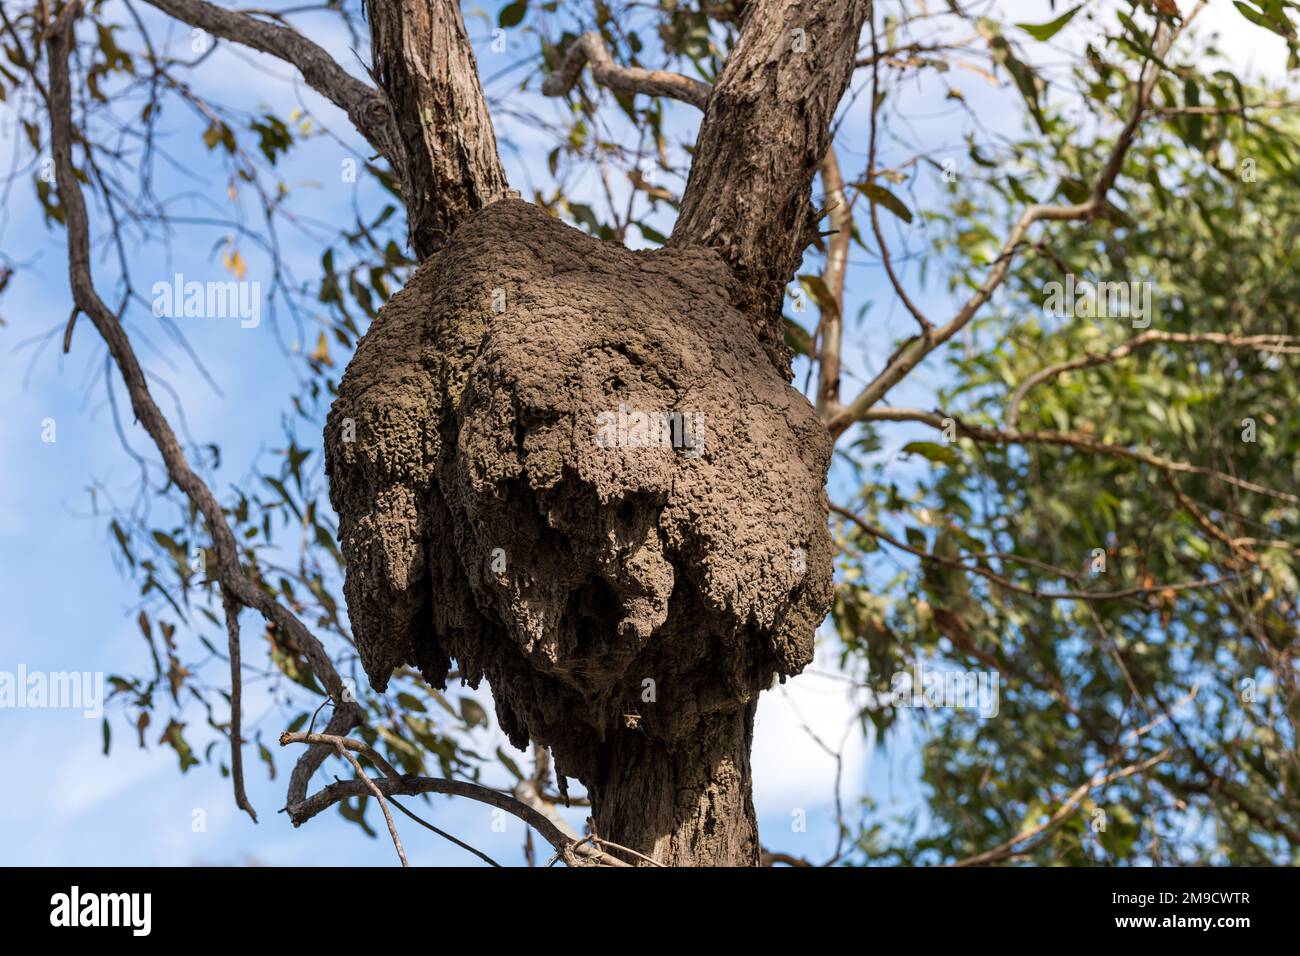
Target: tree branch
[(940, 421), (590, 48), (831, 326), (383, 803), (237, 588), (394, 784), (1010, 585), (926, 325), (230, 575), (363, 104), (1213, 530), (426, 67), (1034, 833), (766, 130), (231, 607), (919, 347), (1275, 344)]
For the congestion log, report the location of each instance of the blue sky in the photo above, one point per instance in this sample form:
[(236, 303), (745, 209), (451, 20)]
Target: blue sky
[(69, 608)]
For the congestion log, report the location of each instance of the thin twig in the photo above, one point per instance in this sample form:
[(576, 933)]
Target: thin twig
[(1272, 344), (447, 836), (231, 607), (409, 785), (996, 436), (1034, 833), (926, 325), (918, 348), (383, 804), (365, 106), (1009, 585)]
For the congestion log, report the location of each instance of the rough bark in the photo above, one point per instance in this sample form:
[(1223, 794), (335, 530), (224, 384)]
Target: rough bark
[(688, 805), (425, 65), (590, 48), (765, 131), (626, 598)]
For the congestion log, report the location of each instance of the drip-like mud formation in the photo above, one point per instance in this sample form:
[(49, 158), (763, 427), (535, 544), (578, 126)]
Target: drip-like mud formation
[(572, 469)]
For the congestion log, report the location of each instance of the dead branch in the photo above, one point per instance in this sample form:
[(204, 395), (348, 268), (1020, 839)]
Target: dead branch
[(393, 784), (231, 608), (383, 804), (590, 48)]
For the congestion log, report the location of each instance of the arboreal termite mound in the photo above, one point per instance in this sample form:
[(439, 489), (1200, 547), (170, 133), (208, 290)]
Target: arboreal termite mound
[(517, 492)]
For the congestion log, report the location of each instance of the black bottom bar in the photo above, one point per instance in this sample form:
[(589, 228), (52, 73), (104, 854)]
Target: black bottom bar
[(331, 907)]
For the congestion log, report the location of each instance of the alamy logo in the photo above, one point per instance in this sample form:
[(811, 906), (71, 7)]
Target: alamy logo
[(683, 431), (60, 690), (924, 687), (103, 909), (209, 300), (1082, 299)]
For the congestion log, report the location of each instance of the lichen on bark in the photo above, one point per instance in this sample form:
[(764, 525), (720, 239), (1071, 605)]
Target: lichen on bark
[(510, 499)]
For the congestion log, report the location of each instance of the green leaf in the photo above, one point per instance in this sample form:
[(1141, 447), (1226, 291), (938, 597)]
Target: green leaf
[(883, 197), (274, 137), (472, 712), (1282, 28), (513, 14), (1023, 75), (266, 758), (820, 292), (797, 338), (933, 451), (166, 541), (509, 764), (652, 235), (219, 133), (356, 814), (172, 736), (410, 703), (1045, 31)]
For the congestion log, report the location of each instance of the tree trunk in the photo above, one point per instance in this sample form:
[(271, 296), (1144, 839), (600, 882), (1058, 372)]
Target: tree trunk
[(425, 65), (691, 805), (765, 132)]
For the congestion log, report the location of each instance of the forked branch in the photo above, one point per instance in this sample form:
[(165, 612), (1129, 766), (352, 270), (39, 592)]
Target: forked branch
[(394, 784), (916, 349), (1273, 344), (230, 576), (1076, 440)]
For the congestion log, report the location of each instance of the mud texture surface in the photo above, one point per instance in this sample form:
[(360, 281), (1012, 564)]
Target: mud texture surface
[(511, 498)]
